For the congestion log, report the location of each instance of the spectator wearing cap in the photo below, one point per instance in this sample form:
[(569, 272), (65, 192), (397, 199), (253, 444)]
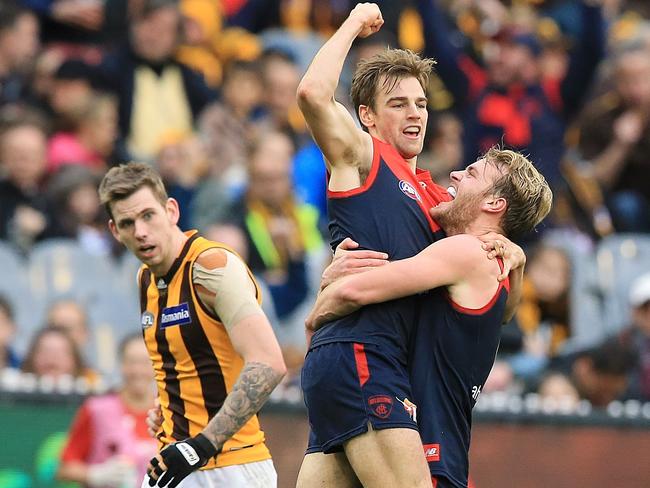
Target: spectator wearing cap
[(71, 91), (638, 336), (18, 48), (508, 100), (157, 94)]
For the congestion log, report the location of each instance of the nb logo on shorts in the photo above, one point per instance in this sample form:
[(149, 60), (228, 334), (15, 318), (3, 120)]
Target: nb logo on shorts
[(431, 452), (381, 405)]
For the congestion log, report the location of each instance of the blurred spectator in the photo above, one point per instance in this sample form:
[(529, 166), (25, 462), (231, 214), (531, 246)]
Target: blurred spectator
[(18, 48), (280, 75), (226, 126), (75, 24), (108, 445), (91, 140), (8, 358), (70, 92), (23, 142), (182, 163), (638, 336), (615, 138), (209, 46), (157, 94), (443, 150), (280, 231), (541, 324), (70, 317), (510, 100), (559, 389), (53, 353), (600, 375), (76, 211)]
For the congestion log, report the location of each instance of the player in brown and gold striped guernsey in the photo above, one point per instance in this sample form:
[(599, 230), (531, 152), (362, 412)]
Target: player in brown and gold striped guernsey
[(214, 354)]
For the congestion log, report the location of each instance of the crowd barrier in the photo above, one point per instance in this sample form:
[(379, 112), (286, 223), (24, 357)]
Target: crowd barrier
[(521, 449)]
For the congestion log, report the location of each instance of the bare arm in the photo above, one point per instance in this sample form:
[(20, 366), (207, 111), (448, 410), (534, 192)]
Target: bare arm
[(224, 285), (348, 260), (514, 261), (332, 126), (446, 262)]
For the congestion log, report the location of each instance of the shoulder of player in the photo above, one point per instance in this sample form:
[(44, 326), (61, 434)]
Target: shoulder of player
[(213, 258), (461, 248)]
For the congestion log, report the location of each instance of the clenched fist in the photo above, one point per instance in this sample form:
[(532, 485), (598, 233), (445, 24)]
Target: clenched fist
[(368, 16)]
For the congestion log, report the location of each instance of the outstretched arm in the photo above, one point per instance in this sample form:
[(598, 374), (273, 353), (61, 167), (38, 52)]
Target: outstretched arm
[(332, 126), (446, 262)]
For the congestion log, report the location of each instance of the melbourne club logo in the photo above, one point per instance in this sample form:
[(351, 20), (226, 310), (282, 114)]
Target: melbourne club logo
[(409, 190), (381, 405)]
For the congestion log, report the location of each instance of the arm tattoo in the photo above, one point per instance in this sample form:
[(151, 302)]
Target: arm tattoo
[(254, 385)]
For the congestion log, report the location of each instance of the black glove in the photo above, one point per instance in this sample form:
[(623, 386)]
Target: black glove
[(181, 458)]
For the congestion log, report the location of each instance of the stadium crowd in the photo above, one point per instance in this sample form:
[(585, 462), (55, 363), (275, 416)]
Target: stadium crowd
[(204, 90)]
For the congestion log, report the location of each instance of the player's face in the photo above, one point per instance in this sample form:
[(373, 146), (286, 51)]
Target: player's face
[(146, 227), (400, 117), (468, 189)]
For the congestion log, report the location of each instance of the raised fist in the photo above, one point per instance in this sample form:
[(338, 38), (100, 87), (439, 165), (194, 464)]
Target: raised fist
[(369, 17)]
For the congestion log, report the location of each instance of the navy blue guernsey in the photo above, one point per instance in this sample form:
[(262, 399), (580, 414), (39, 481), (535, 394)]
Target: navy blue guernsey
[(451, 354), (388, 213)]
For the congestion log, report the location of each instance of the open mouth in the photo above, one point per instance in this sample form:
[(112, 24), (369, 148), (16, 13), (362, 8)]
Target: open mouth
[(147, 250), (452, 192), (412, 132)]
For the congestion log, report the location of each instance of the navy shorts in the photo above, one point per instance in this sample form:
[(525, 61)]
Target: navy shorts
[(346, 385)]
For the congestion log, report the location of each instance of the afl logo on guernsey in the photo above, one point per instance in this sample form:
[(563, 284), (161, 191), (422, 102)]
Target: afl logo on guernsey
[(177, 315), (147, 319), (408, 190)]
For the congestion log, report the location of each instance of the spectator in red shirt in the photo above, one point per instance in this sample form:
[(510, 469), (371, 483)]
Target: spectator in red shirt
[(108, 445)]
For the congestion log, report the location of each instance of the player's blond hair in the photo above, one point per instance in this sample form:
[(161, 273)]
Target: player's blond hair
[(384, 70), (124, 180), (524, 188)]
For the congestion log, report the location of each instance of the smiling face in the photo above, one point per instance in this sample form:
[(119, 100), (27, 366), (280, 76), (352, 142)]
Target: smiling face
[(146, 227), (399, 116), (470, 191)]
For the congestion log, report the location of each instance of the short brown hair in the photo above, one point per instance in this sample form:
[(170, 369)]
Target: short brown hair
[(124, 180), (386, 69), (525, 189)]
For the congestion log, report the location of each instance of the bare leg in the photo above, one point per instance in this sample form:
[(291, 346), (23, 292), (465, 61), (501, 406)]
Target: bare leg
[(320, 470), (389, 458)]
